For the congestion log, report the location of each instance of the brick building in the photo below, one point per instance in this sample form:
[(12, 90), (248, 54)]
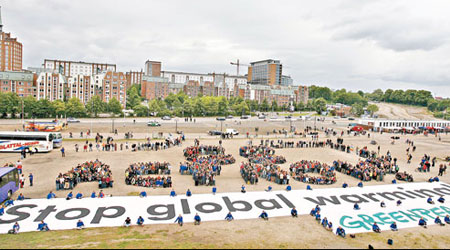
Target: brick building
[(10, 51), (154, 87), (21, 83), (114, 85)]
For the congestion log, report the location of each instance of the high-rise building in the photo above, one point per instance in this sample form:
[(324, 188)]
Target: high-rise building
[(69, 68), (153, 68), (267, 72), (302, 94), (21, 83), (134, 77), (10, 51), (114, 85), (50, 86), (82, 87), (154, 87)]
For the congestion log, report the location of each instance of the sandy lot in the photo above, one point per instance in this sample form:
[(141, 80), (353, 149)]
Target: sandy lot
[(302, 233)]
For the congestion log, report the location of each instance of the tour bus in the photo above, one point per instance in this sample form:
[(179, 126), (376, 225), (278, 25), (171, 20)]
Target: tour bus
[(16, 142), (9, 182), (57, 140)]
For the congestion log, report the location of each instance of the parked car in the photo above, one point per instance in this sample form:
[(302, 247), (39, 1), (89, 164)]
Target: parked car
[(351, 119), (245, 117), (72, 120), (262, 117), (153, 124), (230, 117), (166, 118), (214, 132), (221, 119)]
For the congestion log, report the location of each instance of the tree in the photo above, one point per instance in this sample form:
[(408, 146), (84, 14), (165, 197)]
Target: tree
[(59, 108), (114, 106), (316, 92), (44, 109), (30, 104), (154, 107), (74, 108), (95, 106), (133, 97), (265, 105), (357, 109), (320, 105), (141, 111), (373, 109)]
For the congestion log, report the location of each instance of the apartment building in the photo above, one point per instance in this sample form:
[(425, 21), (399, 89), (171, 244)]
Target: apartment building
[(10, 51), (50, 86), (21, 83), (113, 85), (71, 68)]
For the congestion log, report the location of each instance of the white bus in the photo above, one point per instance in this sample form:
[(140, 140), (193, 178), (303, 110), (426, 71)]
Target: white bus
[(16, 142), (57, 139)]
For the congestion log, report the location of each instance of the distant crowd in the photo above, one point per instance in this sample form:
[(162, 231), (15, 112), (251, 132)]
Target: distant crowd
[(92, 171)]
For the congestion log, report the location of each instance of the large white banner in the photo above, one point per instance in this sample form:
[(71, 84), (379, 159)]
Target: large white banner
[(337, 205)]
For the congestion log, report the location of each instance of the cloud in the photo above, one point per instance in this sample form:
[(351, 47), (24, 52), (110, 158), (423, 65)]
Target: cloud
[(356, 44)]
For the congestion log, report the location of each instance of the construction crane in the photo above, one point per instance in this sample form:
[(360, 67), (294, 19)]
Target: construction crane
[(238, 65)]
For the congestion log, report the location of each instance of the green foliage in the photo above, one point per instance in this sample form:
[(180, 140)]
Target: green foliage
[(316, 92), (141, 111), (373, 109), (357, 109), (95, 106), (133, 97), (114, 106), (320, 105), (74, 108)]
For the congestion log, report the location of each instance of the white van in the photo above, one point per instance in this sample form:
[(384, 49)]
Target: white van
[(233, 132)]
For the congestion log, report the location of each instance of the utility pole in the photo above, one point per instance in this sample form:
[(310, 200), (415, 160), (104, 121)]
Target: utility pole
[(238, 65)]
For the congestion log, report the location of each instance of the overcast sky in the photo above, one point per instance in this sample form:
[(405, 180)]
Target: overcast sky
[(353, 44)]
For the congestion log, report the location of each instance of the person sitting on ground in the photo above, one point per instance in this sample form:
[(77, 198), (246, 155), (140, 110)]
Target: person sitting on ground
[(441, 199), (340, 232), (80, 225), (51, 195), (294, 212), (2, 210), (394, 181), (197, 220), (330, 226), (43, 227), (430, 201), (356, 207), (93, 195), (360, 185), (101, 195), (309, 188), (423, 223), (269, 189), (214, 190), (325, 222), (229, 217), (438, 221), (16, 228), (9, 203), (243, 189), (173, 194), (394, 227), (127, 222), (289, 188), (188, 193), (436, 179), (79, 196), (264, 215), (179, 220), (318, 217), (21, 197), (143, 194), (69, 196), (383, 205), (399, 203), (140, 221), (345, 185), (447, 219), (376, 228)]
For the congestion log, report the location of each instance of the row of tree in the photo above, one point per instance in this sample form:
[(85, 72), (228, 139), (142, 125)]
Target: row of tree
[(11, 104)]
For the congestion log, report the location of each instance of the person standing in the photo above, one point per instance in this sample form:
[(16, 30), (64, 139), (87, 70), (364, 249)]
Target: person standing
[(63, 152), (31, 178), (19, 166)]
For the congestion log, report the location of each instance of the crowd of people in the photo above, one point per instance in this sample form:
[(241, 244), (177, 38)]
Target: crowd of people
[(300, 171), (204, 163), (110, 146), (261, 155), (251, 172), (370, 169), (138, 175), (92, 171)]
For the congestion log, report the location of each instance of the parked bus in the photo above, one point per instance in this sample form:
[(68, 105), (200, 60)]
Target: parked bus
[(57, 140), (16, 142), (9, 182)]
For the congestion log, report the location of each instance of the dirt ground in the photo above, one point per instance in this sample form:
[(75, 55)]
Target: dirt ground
[(303, 233), (400, 112)]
